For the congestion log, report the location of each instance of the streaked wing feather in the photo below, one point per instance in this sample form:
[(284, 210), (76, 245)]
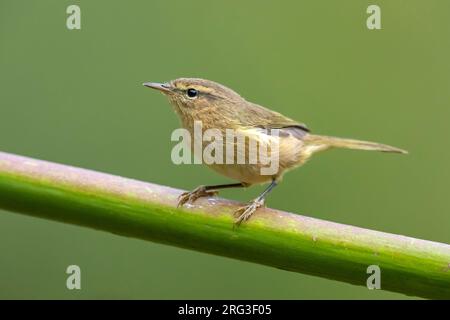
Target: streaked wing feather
[(257, 116)]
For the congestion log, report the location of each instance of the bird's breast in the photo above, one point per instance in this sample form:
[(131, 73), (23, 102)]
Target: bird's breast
[(249, 155)]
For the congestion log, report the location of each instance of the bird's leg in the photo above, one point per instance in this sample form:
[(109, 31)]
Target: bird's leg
[(205, 191), (244, 213)]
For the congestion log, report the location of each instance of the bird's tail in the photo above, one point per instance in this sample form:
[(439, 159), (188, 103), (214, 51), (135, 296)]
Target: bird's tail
[(318, 143)]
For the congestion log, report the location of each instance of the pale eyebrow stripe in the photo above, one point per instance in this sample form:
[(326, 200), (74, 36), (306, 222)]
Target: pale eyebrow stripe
[(204, 93)]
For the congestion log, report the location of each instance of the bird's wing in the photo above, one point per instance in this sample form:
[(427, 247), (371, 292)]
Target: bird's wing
[(267, 119)]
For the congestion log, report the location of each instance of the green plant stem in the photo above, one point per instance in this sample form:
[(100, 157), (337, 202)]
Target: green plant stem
[(274, 238)]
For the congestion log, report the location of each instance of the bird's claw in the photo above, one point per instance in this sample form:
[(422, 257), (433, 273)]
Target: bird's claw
[(191, 196), (244, 213)]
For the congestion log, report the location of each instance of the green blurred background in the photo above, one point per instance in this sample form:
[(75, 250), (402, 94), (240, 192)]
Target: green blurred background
[(75, 97)]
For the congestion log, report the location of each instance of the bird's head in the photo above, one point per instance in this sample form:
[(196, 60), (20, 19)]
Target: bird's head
[(190, 95)]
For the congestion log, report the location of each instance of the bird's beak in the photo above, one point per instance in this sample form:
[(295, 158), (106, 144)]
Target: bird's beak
[(163, 87)]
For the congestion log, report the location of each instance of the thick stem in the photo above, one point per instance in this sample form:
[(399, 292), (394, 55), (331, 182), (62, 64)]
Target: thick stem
[(274, 238)]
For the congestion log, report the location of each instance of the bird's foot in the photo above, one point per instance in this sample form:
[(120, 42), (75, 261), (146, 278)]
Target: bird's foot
[(244, 213), (190, 197)]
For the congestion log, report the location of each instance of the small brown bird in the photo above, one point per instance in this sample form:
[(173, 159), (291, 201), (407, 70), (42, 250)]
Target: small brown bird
[(218, 107)]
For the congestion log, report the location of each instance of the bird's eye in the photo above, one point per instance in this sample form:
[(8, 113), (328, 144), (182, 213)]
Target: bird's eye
[(192, 93)]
